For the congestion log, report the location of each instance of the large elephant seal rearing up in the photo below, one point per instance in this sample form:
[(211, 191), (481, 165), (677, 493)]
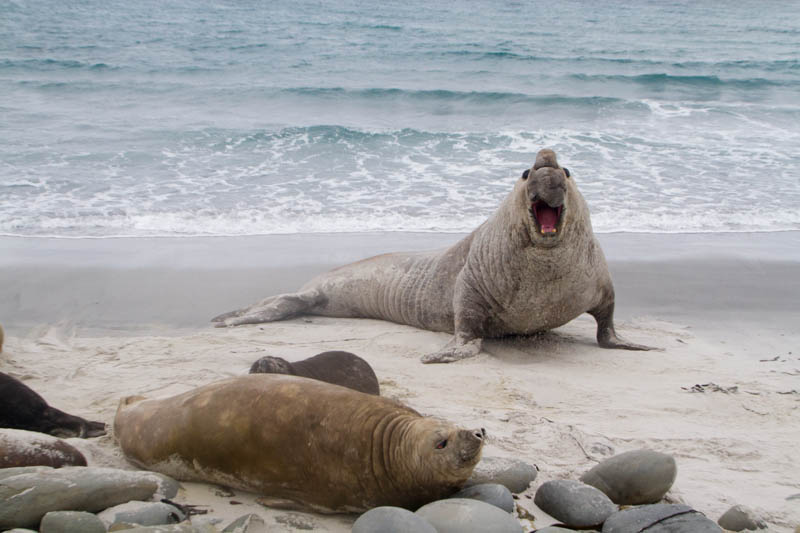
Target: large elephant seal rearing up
[(533, 266), (300, 442)]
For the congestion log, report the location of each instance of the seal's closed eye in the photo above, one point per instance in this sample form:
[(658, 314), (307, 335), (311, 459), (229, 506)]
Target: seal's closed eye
[(442, 445)]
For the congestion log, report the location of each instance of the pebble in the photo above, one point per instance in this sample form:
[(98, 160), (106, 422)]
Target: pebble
[(740, 518), (462, 515), (20, 448), (660, 518), (143, 514), (391, 519), (26, 497), (493, 493), (515, 475), (71, 522), (576, 504), (249, 523), (634, 478)]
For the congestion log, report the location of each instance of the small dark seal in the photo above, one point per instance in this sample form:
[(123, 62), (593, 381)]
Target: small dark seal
[(22, 408), (336, 367)]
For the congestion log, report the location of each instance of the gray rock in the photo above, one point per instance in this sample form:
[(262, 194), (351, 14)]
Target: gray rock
[(20, 530), (493, 493), (143, 514), (26, 498), (576, 504), (513, 474), (71, 522), (462, 515), (167, 487), (553, 529), (634, 478), (391, 520), (660, 518), (249, 523), (9, 472), (740, 518)]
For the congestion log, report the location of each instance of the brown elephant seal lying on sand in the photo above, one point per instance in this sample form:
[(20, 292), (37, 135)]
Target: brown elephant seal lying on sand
[(300, 442), (337, 367), (533, 266)]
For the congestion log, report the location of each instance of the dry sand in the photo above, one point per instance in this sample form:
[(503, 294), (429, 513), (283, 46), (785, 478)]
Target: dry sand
[(88, 322)]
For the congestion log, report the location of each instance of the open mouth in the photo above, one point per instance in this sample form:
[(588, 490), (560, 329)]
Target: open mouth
[(546, 217)]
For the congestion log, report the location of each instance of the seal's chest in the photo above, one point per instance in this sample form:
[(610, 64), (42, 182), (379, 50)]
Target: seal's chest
[(548, 301)]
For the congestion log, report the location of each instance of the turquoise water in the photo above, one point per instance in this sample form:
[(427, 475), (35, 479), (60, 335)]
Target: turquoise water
[(236, 118)]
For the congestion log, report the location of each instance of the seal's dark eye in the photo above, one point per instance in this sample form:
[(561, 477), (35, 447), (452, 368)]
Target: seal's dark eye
[(566, 171), (525, 174), (442, 445)]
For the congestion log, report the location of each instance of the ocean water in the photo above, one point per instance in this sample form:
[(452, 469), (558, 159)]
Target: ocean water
[(251, 117)]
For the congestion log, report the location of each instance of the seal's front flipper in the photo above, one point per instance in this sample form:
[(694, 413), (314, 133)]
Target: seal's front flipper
[(457, 349), (606, 335), (272, 309)]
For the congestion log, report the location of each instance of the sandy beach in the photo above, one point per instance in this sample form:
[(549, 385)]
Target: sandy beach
[(88, 321)]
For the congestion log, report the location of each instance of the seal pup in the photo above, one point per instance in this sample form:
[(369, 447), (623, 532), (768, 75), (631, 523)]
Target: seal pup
[(299, 442), (22, 408), (533, 266), (337, 367), (30, 448)]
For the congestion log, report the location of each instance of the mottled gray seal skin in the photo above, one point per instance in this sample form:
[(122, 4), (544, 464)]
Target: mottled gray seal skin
[(336, 367), (22, 408), (533, 266), (299, 442)]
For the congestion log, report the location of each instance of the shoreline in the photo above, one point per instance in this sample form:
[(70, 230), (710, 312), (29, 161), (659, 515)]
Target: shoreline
[(138, 284)]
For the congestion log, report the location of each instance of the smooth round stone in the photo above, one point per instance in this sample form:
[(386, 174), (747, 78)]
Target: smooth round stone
[(462, 515), (634, 478), (515, 475), (74, 488), (660, 518), (740, 518), (553, 529), (143, 514), (493, 493), (71, 522), (574, 503), (391, 520)]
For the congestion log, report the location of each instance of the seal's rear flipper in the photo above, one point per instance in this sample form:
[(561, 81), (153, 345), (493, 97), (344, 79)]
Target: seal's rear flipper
[(273, 309)]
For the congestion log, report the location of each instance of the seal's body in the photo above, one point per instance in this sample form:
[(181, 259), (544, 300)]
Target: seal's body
[(299, 442), (22, 408), (533, 266), (337, 367)]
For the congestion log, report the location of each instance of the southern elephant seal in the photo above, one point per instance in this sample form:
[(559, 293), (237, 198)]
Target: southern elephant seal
[(533, 266), (337, 367), (299, 442), (22, 408)]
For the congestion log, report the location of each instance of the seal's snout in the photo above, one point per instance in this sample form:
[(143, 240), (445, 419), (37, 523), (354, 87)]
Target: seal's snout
[(480, 433)]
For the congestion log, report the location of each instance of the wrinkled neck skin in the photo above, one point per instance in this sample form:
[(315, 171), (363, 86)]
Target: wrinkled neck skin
[(404, 468), (509, 263)]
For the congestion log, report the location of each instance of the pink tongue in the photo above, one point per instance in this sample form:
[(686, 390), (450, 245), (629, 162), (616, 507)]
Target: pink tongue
[(548, 217)]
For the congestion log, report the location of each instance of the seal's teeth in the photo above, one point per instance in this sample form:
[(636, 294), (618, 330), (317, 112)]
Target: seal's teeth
[(546, 231)]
